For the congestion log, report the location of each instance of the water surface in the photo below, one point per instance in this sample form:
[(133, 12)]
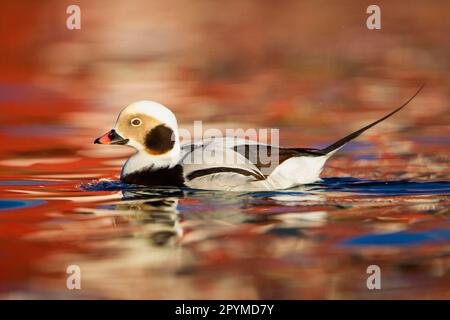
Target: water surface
[(310, 69)]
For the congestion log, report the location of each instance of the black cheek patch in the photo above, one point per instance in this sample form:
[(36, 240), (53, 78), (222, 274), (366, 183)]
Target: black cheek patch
[(160, 139)]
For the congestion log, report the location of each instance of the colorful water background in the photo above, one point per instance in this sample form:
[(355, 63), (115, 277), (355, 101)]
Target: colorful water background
[(311, 69)]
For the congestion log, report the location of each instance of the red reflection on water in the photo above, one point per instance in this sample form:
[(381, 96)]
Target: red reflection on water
[(59, 90)]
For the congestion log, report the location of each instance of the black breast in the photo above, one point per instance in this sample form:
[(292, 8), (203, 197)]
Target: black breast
[(157, 177)]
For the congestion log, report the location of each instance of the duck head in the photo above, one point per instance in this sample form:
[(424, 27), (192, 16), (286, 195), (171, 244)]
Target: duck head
[(151, 129)]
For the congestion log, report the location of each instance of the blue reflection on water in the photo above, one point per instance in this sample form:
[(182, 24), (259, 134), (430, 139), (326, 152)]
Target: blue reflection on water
[(400, 238), (24, 182), (383, 188), (16, 204)]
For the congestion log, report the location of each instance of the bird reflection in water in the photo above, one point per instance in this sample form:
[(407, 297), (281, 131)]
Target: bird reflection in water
[(157, 212)]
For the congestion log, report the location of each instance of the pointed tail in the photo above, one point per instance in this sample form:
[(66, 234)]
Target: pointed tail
[(340, 143)]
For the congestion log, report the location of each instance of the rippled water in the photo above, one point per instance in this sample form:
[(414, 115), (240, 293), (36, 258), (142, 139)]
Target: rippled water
[(384, 199), (135, 242)]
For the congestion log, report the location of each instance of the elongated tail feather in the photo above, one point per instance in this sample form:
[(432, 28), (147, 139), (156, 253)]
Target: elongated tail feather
[(340, 143)]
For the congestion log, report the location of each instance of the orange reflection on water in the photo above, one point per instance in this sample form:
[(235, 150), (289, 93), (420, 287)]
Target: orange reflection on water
[(310, 69)]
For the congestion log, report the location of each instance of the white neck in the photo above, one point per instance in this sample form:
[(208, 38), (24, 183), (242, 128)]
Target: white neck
[(142, 160)]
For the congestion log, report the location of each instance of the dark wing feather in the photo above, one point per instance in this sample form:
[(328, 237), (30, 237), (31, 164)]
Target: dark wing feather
[(266, 156)]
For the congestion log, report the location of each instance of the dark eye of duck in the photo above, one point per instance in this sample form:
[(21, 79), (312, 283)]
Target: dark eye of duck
[(136, 122)]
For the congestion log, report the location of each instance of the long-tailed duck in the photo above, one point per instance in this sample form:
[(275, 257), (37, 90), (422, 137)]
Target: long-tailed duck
[(226, 163)]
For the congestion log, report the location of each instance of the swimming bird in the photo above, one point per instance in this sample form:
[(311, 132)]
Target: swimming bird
[(216, 163)]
